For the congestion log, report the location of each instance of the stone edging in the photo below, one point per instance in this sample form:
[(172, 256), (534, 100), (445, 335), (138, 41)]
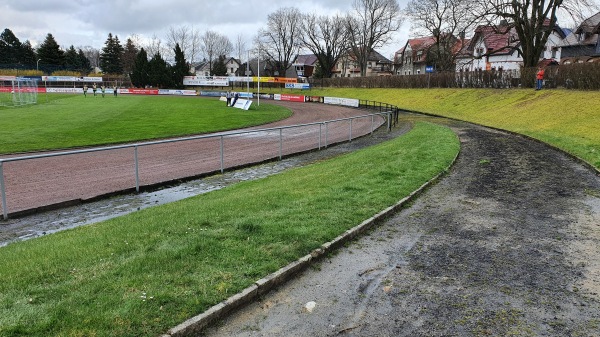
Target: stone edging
[(195, 325)]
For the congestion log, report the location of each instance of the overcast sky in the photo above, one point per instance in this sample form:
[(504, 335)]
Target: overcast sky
[(87, 22)]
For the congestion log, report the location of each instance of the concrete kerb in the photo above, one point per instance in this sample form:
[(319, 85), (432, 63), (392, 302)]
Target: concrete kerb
[(195, 325)]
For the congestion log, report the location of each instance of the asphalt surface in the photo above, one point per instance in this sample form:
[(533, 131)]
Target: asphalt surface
[(507, 244)]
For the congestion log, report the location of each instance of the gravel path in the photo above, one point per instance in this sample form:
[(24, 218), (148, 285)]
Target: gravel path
[(507, 244)]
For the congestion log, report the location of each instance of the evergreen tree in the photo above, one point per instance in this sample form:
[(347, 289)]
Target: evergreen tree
[(28, 55), (159, 72), (111, 56), (50, 54), (129, 56), (180, 69), (72, 61), (139, 73), (219, 68), (10, 48), (84, 62)]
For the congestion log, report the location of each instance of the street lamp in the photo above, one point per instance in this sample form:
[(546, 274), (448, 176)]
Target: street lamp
[(37, 65)]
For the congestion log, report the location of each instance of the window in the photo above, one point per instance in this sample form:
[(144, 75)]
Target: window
[(554, 51)]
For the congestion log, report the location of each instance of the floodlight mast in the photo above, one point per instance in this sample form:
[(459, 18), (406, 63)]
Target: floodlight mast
[(37, 65), (258, 76)]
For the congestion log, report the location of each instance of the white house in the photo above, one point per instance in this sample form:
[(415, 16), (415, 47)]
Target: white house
[(496, 48)]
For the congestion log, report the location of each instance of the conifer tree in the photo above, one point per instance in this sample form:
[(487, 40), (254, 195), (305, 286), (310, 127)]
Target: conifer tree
[(50, 54), (180, 69), (111, 56)]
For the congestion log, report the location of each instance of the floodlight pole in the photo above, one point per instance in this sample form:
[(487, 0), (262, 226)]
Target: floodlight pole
[(258, 76), (248, 75), (37, 65)]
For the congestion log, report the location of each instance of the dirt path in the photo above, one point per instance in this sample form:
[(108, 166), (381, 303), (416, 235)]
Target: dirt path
[(507, 244)]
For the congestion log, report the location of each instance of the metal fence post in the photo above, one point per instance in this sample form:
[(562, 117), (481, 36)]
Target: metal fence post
[(320, 134), (372, 123), (3, 190), (222, 155), (137, 169), (326, 134), (389, 121), (350, 130), (280, 142)]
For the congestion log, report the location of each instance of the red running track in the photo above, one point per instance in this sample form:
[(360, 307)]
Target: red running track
[(37, 184)]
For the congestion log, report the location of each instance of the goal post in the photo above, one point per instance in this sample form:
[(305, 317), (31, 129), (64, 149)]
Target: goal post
[(18, 91)]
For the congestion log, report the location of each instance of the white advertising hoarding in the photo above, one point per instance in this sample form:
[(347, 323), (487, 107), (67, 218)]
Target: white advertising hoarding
[(341, 101), (215, 81)]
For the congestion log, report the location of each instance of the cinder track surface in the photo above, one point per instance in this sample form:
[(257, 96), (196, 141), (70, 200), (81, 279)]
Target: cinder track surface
[(507, 244), (40, 183)]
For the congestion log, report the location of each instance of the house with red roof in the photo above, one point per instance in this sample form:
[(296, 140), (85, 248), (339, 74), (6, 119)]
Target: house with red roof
[(496, 47), (411, 59), (421, 52)]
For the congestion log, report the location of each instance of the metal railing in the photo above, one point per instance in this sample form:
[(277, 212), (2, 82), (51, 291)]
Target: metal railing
[(323, 136)]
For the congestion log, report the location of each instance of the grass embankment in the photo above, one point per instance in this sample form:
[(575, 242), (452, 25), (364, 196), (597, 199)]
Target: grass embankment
[(566, 119), (140, 274), (63, 121)]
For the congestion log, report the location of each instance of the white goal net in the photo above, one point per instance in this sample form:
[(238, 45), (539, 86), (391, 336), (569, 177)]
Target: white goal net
[(18, 91)]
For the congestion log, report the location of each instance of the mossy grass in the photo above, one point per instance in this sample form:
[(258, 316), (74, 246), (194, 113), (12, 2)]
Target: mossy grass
[(567, 119), (62, 121), (140, 274)]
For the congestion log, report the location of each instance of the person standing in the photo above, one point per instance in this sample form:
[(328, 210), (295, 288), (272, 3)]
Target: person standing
[(228, 97), (85, 90), (103, 90), (94, 88), (539, 78), (115, 91), (235, 98)]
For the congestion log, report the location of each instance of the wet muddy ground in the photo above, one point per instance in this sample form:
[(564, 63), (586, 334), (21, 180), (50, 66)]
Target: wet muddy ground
[(507, 244)]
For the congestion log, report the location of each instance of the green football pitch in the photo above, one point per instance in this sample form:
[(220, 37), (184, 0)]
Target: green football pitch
[(62, 121)]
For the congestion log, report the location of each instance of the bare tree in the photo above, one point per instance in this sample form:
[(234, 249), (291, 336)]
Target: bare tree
[(177, 36), (188, 39), (215, 45), (447, 21), (280, 41), (369, 26), (533, 21), (240, 47), (325, 37), (155, 46), (93, 55), (195, 45)]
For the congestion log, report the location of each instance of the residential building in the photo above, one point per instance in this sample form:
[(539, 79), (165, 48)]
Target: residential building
[(583, 44), (234, 66), (377, 65), (305, 65), (496, 48), (411, 59)]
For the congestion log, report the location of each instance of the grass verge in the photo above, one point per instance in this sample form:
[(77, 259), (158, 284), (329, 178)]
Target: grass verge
[(64, 121), (567, 119), (143, 273)]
